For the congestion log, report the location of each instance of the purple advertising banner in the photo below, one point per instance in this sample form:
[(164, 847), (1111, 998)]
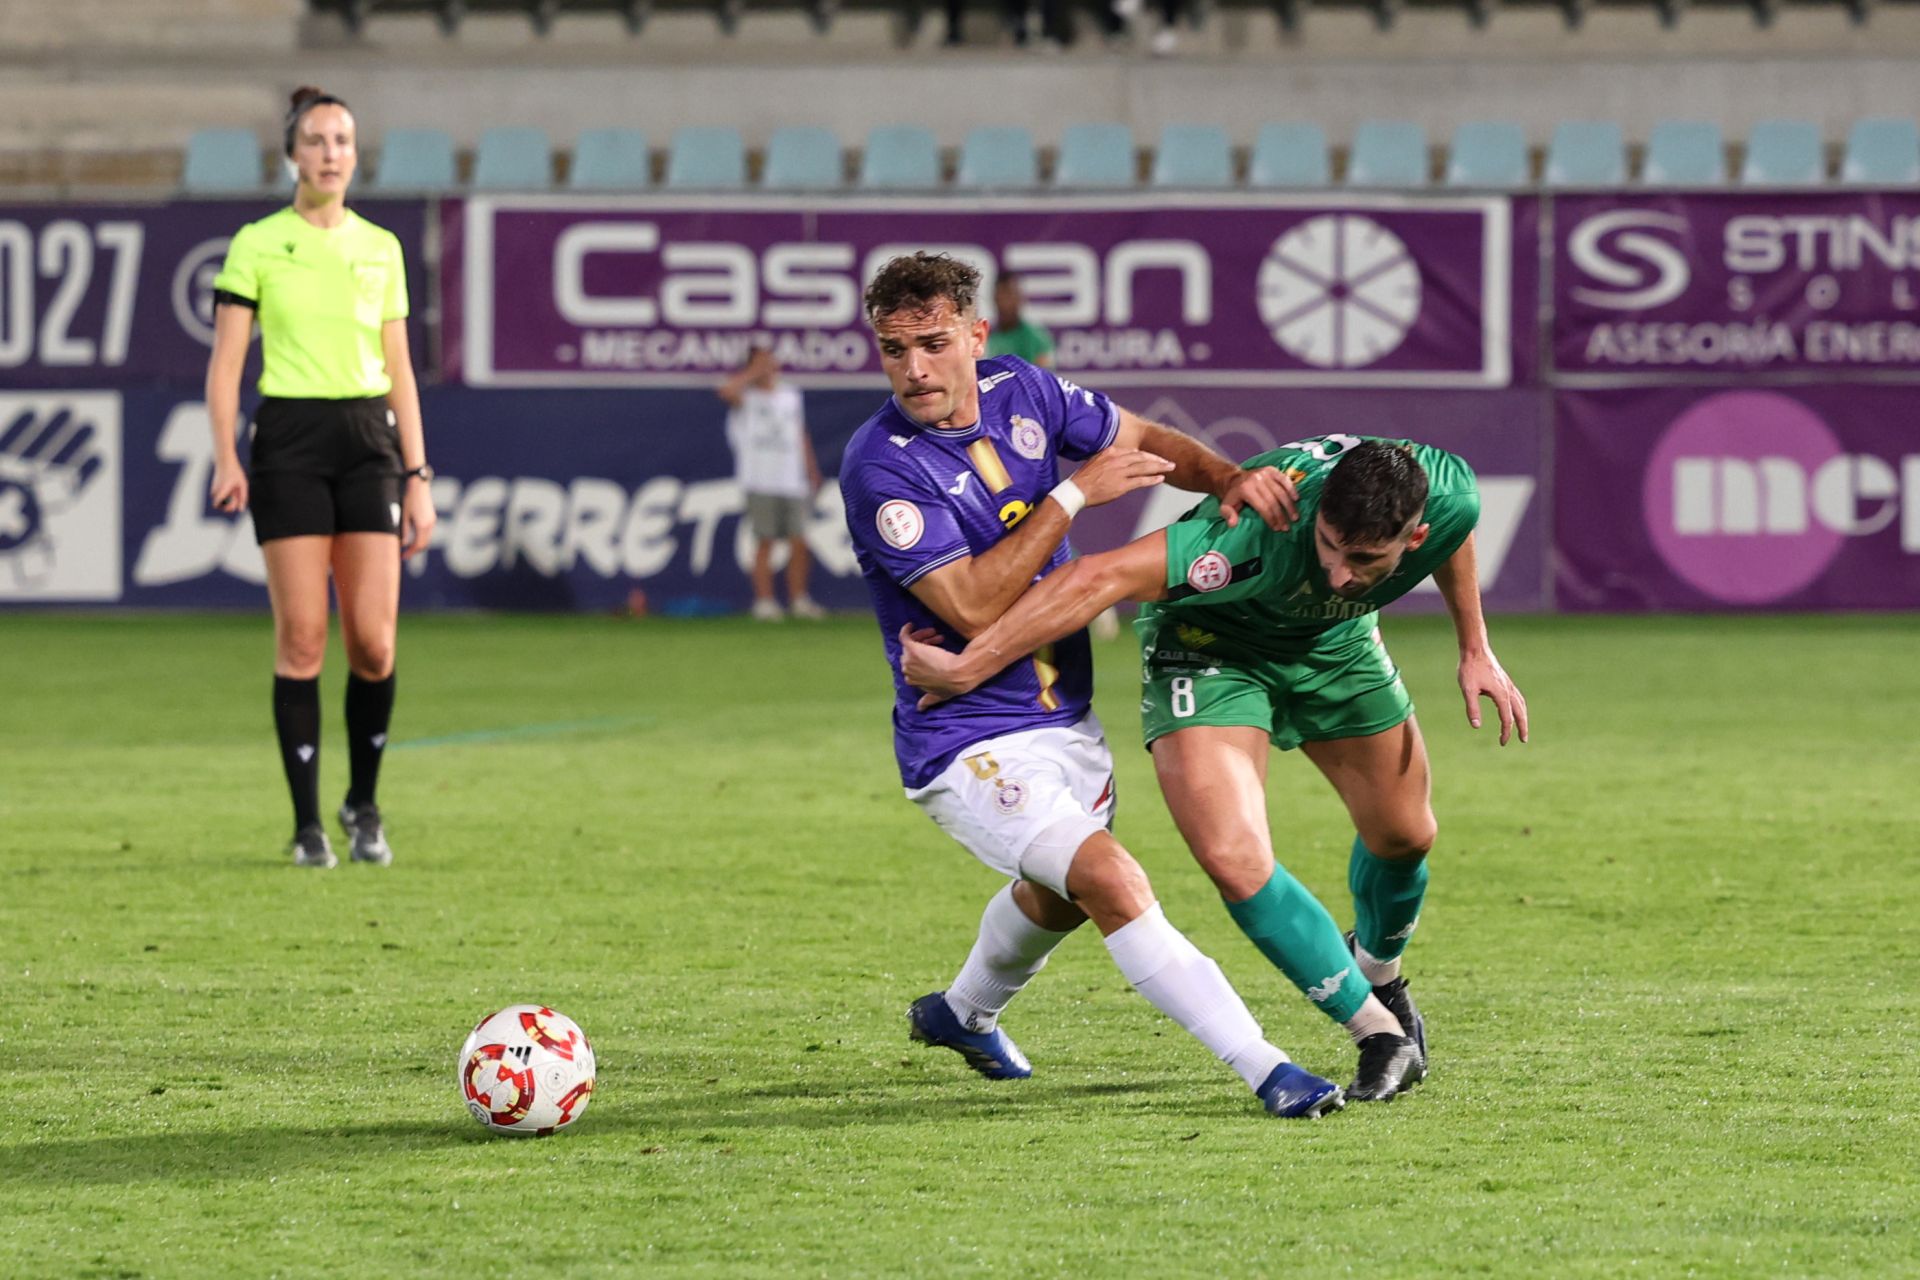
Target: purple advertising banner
[(1646, 284), (576, 499), (122, 295), (1737, 497), (1358, 291)]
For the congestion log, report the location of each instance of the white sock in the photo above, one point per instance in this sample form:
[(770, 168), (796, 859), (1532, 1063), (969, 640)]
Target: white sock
[(1372, 1019), (1189, 988), (1008, 952), (1379, 972)]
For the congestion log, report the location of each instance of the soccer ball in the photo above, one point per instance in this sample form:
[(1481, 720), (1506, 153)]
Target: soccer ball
[(526, 1070)]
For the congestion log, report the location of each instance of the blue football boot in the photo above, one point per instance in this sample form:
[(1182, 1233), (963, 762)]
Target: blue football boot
[(1296, 1093), (932, 1021)]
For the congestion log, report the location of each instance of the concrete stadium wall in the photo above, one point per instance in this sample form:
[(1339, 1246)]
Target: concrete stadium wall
[(81, 74)]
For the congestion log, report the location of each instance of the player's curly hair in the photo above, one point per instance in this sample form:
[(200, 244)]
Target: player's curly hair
[(1374, 492), (918, 281)]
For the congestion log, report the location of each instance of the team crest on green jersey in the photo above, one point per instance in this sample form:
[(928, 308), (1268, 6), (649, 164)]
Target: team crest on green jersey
[(1194, 637)]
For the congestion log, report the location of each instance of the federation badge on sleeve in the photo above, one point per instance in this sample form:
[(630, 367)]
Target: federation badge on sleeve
[(899, 523), (1210, 572), (1029, 438)]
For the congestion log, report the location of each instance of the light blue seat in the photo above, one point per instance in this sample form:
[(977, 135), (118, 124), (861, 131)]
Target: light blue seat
[(223, 160), (1784, 153), (1883, 151), (1095, 155), (1388, 153), (1290, 155), (900, 157), (415, 160), (803, 157), (513, 160), (1488, 153), (999, 157), (1685, 153), (1586, 153), (1193, 156), (610, 160), (707, 158)]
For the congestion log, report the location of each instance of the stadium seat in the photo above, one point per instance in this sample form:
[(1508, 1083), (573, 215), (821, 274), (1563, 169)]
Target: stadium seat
[(1586, 153), (706, 158), (900, 157), (1784, 153), (610, 160), (1488, 153), (1095, 155), (1685, 153), (513, 160), (998, 156), (1388, 153), (1193, 156), (415, 160), (1289, 155), (803, 157), (1883, 151), (223, 160)]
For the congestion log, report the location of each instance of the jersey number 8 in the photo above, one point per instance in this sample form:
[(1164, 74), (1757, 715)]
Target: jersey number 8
[(1181, 700)]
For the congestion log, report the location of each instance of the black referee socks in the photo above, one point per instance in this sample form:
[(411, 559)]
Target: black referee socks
[(296, 718), (369, 710)]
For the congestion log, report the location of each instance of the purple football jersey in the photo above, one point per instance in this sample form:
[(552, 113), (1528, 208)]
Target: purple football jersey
[(918, 498)]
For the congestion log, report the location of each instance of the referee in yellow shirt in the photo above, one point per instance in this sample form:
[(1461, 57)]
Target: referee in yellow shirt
[(338, 482)]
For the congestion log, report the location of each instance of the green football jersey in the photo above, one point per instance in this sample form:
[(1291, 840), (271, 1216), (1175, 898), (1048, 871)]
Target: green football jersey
[(1249, 592), (322, 296), (1027, 340)]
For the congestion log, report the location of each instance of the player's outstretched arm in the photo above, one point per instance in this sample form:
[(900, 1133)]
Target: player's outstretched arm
[(1481, 675), (971, 593), (1058, 606), (1197, 468)]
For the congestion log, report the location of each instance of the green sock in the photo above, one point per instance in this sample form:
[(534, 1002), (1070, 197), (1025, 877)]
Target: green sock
[(1295, 932), (1387, 894)]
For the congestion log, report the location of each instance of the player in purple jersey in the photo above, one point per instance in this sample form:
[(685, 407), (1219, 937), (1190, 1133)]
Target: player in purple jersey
[(955, 504)]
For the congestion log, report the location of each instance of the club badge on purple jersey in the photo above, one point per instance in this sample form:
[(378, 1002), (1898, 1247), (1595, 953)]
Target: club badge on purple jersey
[(921, 498)]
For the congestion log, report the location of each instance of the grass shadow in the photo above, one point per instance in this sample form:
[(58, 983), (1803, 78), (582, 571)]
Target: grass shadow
[(244, 1154)]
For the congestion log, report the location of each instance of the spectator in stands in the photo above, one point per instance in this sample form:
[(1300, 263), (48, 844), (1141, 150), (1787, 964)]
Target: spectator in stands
[(1012, 335), (773, 458), (1022, 17), (337, 481), (1166, 40)]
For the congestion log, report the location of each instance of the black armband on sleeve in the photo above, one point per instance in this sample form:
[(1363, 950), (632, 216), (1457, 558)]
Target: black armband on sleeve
[(1239, 573), (223, 295)]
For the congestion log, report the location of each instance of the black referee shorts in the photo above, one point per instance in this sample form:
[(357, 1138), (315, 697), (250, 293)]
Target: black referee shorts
[(324, 467)]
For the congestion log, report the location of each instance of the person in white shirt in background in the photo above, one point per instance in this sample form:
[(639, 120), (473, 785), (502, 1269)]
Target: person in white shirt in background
[(774, 462)]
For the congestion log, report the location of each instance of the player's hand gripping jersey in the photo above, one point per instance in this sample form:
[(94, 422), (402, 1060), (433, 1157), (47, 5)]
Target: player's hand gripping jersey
[(919, 497), (1252, 594)]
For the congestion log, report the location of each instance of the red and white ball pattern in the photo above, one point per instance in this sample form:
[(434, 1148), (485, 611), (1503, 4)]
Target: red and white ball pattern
[(526, 1070)]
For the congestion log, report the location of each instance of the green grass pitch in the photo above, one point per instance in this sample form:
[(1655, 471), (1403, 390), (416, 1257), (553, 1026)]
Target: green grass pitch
[(1669, 961)]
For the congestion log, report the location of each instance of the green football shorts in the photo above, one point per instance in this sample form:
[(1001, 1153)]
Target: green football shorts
[(1344, 687)]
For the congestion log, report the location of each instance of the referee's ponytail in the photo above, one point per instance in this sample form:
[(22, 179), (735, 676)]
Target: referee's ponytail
[(304, 99)]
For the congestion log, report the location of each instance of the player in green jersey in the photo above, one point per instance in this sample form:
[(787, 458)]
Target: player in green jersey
[(1251, 637), (337, 478)]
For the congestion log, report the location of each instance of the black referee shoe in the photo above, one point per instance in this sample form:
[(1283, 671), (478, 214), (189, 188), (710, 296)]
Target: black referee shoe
[(1388, 1065), (310, 848), (369, 839), (1394, 995)]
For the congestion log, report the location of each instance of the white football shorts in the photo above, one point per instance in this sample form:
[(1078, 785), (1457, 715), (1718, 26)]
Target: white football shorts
[(1024, 803)]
